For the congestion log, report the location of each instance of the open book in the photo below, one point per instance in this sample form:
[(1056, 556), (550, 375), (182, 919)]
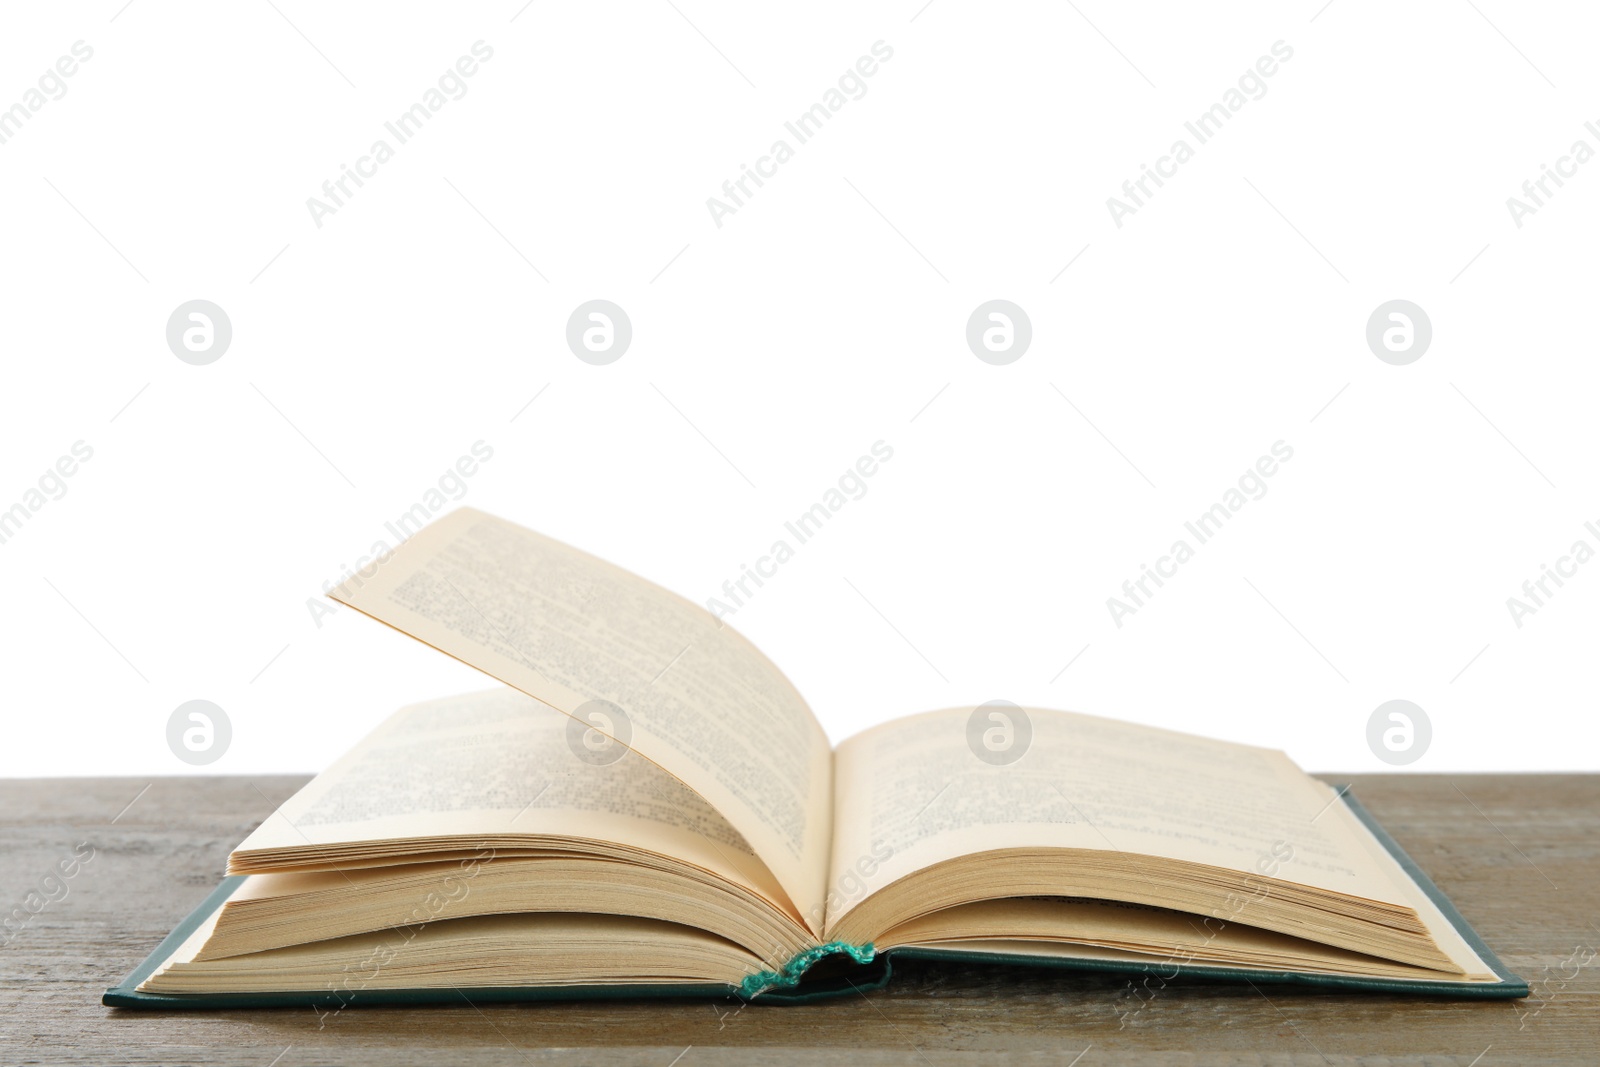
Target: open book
[(648, 807)]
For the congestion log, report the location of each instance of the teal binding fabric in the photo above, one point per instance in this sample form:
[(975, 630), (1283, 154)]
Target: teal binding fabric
[(790, 975)]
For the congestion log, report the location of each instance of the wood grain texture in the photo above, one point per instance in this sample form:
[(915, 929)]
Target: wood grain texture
[(1519, 855)]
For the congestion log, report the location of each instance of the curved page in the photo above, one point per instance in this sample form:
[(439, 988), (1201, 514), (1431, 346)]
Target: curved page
[(681, 689), (916, 792), (495, 765)]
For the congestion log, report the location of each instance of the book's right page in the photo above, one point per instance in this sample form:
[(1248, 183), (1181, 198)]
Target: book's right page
[(917, 795)]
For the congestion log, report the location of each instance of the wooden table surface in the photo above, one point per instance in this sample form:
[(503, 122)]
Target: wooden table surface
[(1519, 855)]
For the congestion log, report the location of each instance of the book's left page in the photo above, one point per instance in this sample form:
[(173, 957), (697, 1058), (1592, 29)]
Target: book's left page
[(629, 660), (488, 773)]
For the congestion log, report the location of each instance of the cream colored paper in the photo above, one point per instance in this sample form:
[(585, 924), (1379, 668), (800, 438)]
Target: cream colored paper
[(914, 789), (567, 629), (495, 766)]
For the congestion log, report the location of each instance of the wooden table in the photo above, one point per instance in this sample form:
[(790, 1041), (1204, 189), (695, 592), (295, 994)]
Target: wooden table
[(1519, 855)]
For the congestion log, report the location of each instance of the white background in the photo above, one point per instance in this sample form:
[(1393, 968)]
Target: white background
[(827, 314)]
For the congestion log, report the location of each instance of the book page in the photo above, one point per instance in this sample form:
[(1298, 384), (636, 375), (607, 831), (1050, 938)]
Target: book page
[(915, 792), (496, 765), (677, 685)]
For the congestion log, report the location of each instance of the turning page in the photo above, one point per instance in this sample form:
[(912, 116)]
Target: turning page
[(629, 660)]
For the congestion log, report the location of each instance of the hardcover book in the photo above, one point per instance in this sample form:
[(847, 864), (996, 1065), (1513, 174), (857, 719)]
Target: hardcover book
[(647, 807)]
